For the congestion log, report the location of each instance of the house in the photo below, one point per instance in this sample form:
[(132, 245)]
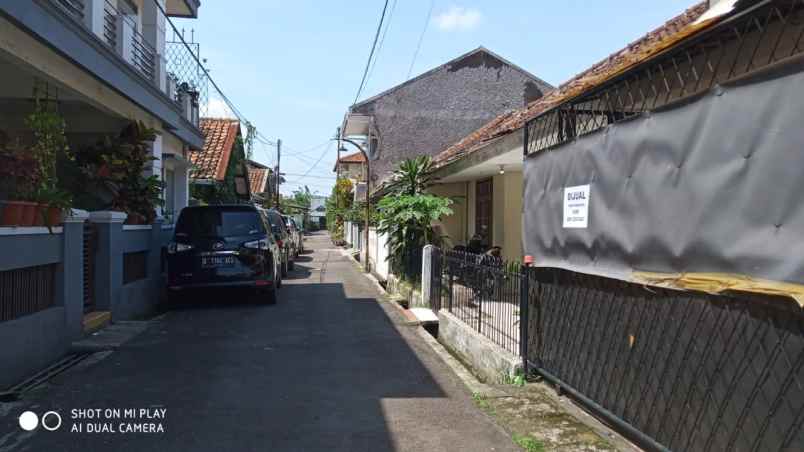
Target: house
[(661, 203), (483, 177), (428, 113), (259, 178), (99, 64), (352, 167), (318, 211), (220, 172)]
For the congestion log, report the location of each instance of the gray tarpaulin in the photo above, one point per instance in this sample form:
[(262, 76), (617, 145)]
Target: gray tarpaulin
[(715, 184)]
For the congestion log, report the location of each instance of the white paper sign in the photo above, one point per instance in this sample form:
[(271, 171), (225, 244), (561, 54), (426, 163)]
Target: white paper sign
[(576, 206)]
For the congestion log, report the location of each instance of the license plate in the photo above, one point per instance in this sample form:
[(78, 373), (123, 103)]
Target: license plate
[(217, 261)]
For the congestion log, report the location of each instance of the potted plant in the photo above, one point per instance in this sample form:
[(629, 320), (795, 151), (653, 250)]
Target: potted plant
[(114, 169), (50, 144), (53, 203), (19, 177)]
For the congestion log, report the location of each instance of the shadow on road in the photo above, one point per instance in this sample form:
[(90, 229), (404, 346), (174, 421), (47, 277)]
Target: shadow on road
[(318, 371)]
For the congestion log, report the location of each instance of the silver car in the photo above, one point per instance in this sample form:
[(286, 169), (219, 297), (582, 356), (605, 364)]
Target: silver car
[(296, 234)]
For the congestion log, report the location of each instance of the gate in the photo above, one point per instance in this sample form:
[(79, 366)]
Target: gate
[(90, 247)]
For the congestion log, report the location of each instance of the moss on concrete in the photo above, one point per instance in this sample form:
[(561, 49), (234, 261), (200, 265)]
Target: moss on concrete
[(537, 421)]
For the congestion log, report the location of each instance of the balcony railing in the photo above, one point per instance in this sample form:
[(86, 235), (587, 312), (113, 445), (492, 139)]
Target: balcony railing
[(120, 31), (74, 8), (174, 70)]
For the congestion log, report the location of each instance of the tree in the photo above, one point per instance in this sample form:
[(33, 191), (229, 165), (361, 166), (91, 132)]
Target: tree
[(408, 213), (413, 176), (338, 206)]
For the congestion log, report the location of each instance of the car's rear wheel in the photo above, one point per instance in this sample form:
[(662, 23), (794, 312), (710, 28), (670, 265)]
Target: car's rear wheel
[(291, 265)]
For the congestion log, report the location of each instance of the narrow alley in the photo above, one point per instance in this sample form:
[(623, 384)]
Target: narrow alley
[(328, 368)]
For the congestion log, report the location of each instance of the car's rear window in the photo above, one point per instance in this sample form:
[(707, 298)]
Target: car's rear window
[(218, 222), (276, 220)]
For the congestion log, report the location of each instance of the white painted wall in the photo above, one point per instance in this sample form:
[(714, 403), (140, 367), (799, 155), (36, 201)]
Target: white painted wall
[(378, 253)]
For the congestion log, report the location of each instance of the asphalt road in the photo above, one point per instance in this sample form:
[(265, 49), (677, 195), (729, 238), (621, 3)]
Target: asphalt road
[(327, 368)]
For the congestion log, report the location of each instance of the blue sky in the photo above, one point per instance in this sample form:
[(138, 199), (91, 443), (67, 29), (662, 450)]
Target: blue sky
[(293, 67)]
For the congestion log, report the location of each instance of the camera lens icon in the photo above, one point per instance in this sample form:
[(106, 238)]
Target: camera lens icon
[(29, 421), (51, 421)]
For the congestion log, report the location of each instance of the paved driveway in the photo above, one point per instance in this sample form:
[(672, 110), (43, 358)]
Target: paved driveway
[(327, 368)]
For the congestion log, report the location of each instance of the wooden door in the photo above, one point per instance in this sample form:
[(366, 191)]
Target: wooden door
[(484, 194)]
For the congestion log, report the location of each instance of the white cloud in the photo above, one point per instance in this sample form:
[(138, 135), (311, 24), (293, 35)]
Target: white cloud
[(458, 18)]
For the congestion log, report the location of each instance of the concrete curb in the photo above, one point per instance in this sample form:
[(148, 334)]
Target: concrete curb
[(469, 380)]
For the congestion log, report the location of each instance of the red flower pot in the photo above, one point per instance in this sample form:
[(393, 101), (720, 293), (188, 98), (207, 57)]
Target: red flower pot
[(29, 214), (39, 218), (135, 219), (50, 216), (12, 213)]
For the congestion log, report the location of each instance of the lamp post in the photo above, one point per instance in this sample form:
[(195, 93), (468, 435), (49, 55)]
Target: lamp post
[(368, 199)]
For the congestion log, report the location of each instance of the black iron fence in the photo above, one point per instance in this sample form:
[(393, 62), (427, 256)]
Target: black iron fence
[(691, 371), (761, 35), (482, 291), (675, 370)]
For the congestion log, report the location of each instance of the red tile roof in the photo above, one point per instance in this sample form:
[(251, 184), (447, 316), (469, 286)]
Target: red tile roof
[(257, 177), (673, 31), (357, 157), (219, 139)]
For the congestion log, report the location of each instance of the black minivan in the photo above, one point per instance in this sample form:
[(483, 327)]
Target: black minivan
[(224, 246)]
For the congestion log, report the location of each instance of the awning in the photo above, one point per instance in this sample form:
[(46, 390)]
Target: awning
[(355, 124)]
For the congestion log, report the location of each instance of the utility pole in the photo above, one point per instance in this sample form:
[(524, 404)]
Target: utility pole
[(337, 165), (278, 173)]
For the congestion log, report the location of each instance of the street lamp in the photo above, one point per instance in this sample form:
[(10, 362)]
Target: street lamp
[(368, 199)]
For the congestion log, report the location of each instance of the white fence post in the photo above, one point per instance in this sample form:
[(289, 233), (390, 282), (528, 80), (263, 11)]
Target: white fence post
[(427, 260)]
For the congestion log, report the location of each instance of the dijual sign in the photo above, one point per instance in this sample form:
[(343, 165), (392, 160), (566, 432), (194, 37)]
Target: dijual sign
[(576, 206)]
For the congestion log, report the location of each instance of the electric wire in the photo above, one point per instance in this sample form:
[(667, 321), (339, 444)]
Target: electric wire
[(382, 41), (421, 38), (371, 54)]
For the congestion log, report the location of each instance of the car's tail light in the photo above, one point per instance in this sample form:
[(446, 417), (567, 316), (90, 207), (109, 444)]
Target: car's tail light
[(257, 244), (174, 247), (280, 243)]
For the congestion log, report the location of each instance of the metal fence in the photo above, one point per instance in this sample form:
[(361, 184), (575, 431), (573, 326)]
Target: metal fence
[(673, 370), (25, 291), (759, 36), (690, 371), (482, 291)]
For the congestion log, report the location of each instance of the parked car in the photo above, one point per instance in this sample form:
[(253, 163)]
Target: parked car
[(224, 246), (295, 234), (283, 239)]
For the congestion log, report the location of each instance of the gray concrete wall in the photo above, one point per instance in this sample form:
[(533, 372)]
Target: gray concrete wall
[(488, 361), (30, 343), (137, 299)]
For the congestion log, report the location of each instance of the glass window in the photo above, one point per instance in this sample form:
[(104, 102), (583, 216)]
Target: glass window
[(217, 222)]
